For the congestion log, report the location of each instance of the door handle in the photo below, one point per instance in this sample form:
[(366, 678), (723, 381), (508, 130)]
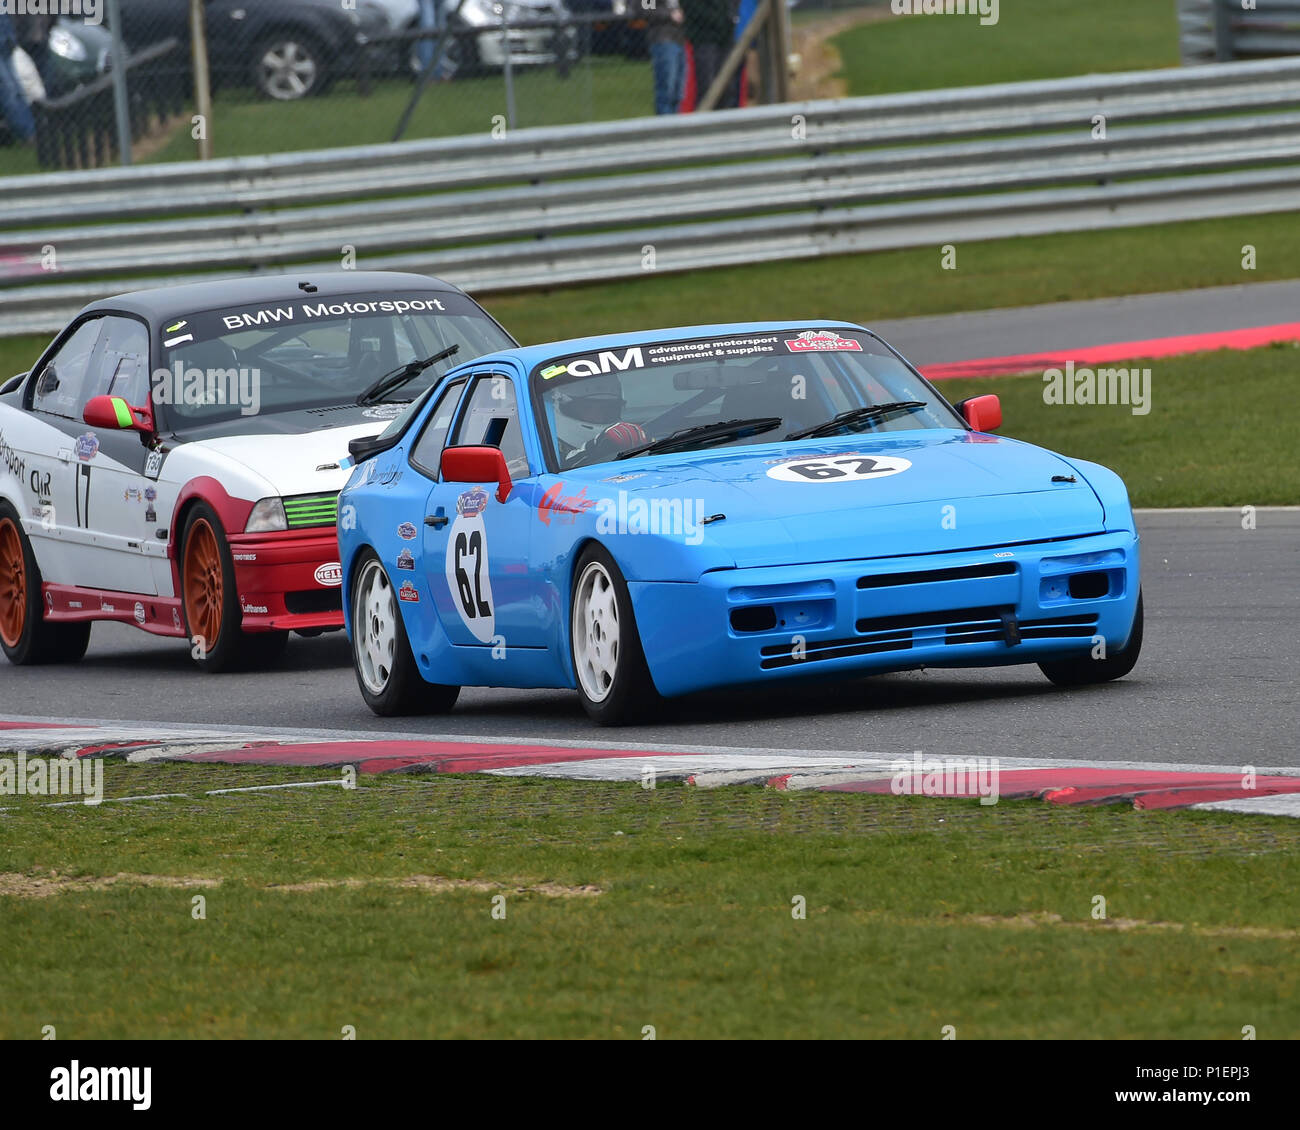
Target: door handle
[(436, 520)]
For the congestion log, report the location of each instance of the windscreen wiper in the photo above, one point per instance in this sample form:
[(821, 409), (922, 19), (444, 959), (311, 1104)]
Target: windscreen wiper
[(857, 416), (703, 435), (389, 382)]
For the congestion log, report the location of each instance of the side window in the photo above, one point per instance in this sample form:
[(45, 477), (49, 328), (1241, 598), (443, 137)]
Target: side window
[(122, 365), (427, 452), (492, 417), (61, 383)]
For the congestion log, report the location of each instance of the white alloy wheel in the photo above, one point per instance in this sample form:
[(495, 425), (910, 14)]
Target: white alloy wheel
[(596, 632), (374, 628), (287, 70)]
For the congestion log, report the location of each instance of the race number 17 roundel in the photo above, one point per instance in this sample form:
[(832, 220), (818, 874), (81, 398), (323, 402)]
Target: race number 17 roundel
[(838, 468)]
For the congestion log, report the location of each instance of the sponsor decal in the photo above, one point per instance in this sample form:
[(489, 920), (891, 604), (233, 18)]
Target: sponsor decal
[(255, 609), (87, 446), (406, 560), (308, 311), (150, 494), (409, 593), (176, 619), (1007, 554), (171, 342), (74, 604), (384, 412), (106, 606), (839, 469), (330, 574), (139, 613), (15, 465), (40, 484), (153, 465), (244, 556), (566, 507), (623, 478), (472, 502), (150, 515), (406, 531), (133, 494), (553, 371), (175, 327), (816, 341), (49, 601)]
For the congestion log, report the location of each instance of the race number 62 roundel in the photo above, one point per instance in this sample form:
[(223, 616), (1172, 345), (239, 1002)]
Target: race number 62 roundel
[(839, 469), (467, 566)]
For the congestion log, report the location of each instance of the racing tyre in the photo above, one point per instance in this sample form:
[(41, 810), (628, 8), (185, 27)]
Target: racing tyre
[(389, 680), (609, 667), (25, 635), (210, 600), (1082, 672)]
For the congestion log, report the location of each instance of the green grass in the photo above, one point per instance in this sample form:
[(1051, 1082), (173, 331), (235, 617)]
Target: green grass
[(1032, 40), (1218, 433), (919, 914), (599, 89)]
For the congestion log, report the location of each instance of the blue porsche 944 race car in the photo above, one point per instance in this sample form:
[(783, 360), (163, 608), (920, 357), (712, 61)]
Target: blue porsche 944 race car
[(650, 514)]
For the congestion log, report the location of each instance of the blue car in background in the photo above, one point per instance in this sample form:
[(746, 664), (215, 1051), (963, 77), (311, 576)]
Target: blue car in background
[(640, 516)]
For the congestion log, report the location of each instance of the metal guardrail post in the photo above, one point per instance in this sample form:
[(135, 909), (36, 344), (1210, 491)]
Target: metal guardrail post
[(1223, 31), (120, 96)]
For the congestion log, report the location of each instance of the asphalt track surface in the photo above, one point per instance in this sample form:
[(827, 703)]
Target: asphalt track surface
[(1218, 681), (1062, 326)]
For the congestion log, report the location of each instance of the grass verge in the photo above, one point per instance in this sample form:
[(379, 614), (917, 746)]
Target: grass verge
[(626, 908), (1045, 39)]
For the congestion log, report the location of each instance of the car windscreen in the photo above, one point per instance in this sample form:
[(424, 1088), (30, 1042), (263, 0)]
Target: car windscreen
[(312, 353), (803, 377)]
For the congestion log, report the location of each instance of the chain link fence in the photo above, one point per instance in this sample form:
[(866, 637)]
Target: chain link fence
[(108, 81)]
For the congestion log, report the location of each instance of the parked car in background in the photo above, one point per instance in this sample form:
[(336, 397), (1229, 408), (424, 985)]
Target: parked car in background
[(468, 54), (285, 49)]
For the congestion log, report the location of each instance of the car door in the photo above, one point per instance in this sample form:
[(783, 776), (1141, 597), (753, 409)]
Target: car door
[(53, 398), (487, 596), (101, 502)]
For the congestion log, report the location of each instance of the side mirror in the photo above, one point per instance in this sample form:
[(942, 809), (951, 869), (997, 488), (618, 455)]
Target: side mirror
[(115, 414), (476, 465), (982, 413)]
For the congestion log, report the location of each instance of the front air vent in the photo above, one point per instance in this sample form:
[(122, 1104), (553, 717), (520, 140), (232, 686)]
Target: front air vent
[(308, 510), (926, 576)]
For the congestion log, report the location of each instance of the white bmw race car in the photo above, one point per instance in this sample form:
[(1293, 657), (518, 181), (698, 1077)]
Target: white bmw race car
[(173, 459)]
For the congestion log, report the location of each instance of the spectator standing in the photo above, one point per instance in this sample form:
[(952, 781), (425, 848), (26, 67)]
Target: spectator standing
[(710, 27), (13, 102), (667, 52), (427, 50)]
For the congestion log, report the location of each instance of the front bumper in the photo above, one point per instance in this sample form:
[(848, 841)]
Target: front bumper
[(285, 582), (1024, 603)]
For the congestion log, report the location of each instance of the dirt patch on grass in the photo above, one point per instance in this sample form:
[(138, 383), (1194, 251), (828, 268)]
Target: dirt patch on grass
[(1122, 925), (438, 884), (44, 886), (819, 60)]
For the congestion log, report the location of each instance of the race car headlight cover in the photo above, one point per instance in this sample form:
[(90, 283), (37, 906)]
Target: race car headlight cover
[(267, 517)]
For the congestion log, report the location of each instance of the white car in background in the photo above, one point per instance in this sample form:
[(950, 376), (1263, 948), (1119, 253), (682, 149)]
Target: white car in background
[(174, 458)]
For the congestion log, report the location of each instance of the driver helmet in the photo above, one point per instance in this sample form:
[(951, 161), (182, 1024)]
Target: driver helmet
[(587, 409)]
